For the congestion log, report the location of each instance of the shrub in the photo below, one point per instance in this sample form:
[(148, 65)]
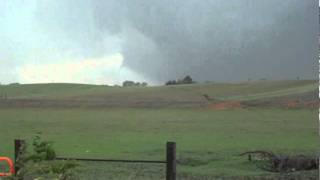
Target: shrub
[(185, 80), (41, 163), (132, 83)]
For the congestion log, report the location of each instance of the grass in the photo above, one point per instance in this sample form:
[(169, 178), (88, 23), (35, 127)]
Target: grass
[(245, 90), (275, 93), (208, 141)]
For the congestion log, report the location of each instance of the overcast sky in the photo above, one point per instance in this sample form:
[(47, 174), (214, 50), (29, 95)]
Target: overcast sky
[(109, 41)]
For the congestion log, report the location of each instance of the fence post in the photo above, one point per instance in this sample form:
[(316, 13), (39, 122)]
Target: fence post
[(171, 161), (18, 145)]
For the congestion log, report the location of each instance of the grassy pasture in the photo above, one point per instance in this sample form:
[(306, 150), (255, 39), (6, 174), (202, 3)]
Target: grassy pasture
[(208, 140), (236, 91)]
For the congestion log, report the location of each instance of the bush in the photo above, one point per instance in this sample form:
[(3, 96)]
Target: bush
[(132, 83), (41, 163), (185, 80)]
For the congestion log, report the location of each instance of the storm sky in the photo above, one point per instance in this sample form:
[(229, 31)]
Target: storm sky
[(109, 41)]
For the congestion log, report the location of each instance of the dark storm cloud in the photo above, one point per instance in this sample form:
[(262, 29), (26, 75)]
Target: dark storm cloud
[(215, 39)]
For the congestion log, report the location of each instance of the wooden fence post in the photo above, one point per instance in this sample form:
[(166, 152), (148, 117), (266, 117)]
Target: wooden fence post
[(171, 161), (18, 145)]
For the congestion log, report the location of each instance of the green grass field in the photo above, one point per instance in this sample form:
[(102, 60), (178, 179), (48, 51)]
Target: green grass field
[(251, 90), (208, 140)]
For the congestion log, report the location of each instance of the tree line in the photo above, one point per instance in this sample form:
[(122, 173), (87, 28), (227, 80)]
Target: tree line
[(186, 80), (132, 83)]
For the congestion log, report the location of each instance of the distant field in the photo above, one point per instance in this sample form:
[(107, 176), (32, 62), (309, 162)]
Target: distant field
[(56, 90), (208, 140), (78, 95)]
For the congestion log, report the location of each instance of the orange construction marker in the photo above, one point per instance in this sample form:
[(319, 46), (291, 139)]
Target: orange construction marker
[(11, 167)]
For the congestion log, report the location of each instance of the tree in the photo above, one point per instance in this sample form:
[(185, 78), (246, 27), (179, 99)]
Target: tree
[(169, 83), (187, 80), (132, 83), (128, 83)]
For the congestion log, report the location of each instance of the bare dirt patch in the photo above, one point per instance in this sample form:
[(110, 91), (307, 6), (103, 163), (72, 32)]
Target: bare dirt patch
[(310, 104)]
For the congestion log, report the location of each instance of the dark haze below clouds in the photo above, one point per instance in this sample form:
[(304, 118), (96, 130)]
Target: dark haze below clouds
[(214, 40)]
